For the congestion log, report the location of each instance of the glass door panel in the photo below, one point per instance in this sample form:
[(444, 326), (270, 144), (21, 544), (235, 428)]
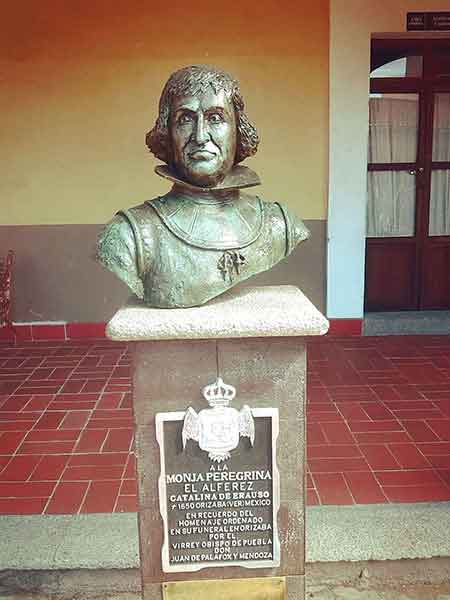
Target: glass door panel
[(407, 66), (391, 204), (441, 128), (393, 127), (440, 203)]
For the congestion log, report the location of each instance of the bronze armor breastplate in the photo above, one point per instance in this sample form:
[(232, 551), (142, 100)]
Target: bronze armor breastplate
[(182, 266)]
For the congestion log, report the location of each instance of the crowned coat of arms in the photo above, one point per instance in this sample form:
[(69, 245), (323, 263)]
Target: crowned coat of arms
[(219, 428)]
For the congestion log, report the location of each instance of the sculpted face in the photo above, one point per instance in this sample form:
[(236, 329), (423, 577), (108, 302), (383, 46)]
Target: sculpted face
[(203, 137)]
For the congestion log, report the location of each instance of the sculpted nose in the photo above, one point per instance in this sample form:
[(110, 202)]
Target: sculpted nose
[(200, 132)]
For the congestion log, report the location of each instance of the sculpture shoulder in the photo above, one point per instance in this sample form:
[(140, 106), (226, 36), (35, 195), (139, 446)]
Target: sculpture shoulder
[(296, 230), (123, 245)]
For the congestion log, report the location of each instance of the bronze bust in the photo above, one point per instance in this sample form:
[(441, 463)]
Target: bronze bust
[(206, 234)]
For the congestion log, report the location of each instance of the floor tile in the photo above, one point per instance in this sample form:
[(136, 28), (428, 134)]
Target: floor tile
[(314, 434), (53, 435), (99, 459), (337, 433), (50, 468), (42, 389), (15, 403), (412, 414), (57, 447), (92, 473), (408, 456), (441, 427), (130, 468), (386, 392), (128, 487), (41, 373), (408, 392), (352, 411), (61, 372), (379, 457), (337, 465), (419, 431), (398, 405), (444, 474), (100, 497), (439, 461), (24, 426), (67, 497), (25, 489), (75, 419), (109, 423), (91, 440), (73, 386), (312, 499), (10, 441), (50, 420), (370, 426), (364, 488), (22, 506), (95, 385), (19, 468), (426, 449), (429, 493), (118, 440), (377, 412), (126, 504), (333, 451), (405, 478), (382, 437), (110, 401), (4, 460), (38, 403), (332, 488), (10, 416)]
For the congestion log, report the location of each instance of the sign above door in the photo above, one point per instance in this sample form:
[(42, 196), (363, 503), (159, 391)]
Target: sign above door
[(428, 21)]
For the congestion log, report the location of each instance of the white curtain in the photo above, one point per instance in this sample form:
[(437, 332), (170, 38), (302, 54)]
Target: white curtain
[(440, 179), (440, 203), (393, 122), (392, 139), (441, 127), (391, 201)]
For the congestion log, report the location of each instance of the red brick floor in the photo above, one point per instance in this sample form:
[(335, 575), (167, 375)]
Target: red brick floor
[(378, 424)]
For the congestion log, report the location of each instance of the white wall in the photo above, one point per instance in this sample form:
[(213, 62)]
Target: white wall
[(351, 24)]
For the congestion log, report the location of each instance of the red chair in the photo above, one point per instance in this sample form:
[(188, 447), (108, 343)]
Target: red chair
[(5, 291)]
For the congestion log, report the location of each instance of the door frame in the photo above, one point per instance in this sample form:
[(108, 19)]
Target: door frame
[(415, 251)]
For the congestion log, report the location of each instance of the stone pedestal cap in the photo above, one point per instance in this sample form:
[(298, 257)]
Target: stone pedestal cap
[(247, 312)]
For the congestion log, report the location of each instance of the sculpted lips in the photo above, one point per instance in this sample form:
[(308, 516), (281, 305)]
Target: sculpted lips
[(202, 155)]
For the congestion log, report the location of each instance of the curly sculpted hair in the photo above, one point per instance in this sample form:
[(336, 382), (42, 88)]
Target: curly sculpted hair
[(194, 81)]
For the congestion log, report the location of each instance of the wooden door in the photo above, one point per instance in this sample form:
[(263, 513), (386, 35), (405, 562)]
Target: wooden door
[(408, 220)]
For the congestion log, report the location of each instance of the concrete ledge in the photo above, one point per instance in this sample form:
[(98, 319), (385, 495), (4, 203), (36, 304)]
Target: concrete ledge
[(100, 541), (333, 534), (272, 311), (377, 532), (424, 322), (76, 584)]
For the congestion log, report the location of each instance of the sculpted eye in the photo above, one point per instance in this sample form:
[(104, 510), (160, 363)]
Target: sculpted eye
[(215, 118), (184, 118)]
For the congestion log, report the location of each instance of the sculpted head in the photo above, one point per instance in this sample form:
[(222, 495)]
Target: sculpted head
[(202, 129)]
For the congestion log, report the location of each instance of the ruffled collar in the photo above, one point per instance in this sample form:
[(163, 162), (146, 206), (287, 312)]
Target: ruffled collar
[(239, 177)]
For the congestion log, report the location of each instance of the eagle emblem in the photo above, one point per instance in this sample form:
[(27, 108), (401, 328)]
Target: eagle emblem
[(218, 429)]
